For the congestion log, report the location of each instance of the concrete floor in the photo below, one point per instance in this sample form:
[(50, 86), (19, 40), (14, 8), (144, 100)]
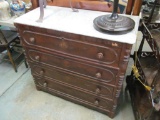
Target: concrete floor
[(19, 100)]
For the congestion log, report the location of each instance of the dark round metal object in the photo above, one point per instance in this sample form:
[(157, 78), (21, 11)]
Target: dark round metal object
[(112, 25)]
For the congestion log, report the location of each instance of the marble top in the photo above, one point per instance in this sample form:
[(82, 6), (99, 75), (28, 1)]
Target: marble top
[(63, 19)]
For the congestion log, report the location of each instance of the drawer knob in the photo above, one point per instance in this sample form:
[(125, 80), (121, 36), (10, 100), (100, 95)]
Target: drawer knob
[(32, 40), (41, 72), (44, 84), (96, 103), (62, 38), (100, 55), (98, 75), (97, 90), (37, 57)]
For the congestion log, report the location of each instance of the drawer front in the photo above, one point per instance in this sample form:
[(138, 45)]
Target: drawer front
[(71, 92), (78, 49), (107, 75), (77, 81)]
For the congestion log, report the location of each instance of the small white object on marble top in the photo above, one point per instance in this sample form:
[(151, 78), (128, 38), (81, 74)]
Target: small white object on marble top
[(63, 19)]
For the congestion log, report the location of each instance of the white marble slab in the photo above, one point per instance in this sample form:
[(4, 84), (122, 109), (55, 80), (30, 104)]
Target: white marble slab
[(63, 19)]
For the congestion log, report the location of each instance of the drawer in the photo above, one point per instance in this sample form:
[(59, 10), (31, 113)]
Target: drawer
[(79, 82), (73, 47), (70, 92), (107, 75)]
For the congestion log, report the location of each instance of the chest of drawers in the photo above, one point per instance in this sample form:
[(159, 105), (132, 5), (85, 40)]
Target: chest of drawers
[(81, 68)]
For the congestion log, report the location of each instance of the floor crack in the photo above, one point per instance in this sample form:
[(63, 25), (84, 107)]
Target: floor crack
[(14, 82)]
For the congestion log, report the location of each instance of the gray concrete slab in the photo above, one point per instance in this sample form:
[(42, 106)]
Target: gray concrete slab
[(8, 76)]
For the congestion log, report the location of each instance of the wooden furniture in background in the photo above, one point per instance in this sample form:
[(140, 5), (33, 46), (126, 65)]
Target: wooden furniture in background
[(146, 103), (132, 6), (122, 2), (8, 40), (79, 4), (35, 4)]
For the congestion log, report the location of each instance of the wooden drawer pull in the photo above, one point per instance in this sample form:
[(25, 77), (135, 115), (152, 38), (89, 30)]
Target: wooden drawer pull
[(100, 56), (32, 40), (37, 57), (62, 38), (41, 72), (98, 75), (96, 103), (97, 90), (44, 84)]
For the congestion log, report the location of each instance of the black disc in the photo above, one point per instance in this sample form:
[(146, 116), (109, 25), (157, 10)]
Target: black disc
[(121, 25)]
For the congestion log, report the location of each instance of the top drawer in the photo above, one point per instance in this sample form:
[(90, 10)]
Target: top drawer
[(72, 46)]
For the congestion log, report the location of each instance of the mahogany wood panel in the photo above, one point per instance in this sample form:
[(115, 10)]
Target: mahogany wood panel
[(70, 45), (65, 96), (35, 4), (107, 75), (80, 4), (77, 81), (129, 8), (137, 7), (79, 95), (91, 98)]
